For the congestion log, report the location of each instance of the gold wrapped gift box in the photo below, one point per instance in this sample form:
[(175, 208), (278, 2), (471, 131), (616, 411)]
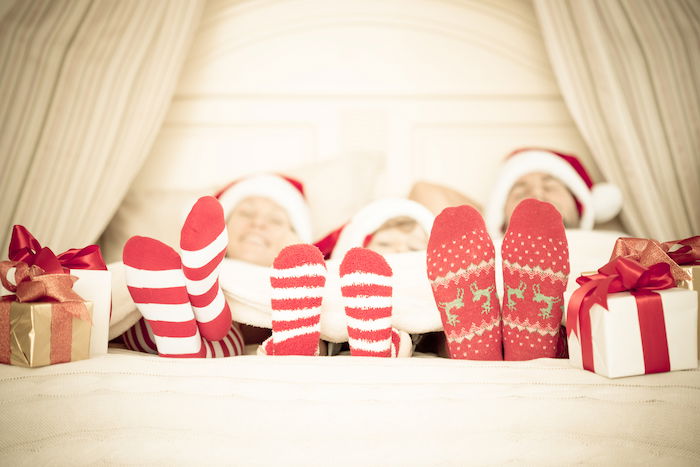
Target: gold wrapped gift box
[(33, 334)]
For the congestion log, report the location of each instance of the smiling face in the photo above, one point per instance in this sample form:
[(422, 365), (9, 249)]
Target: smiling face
[(258, 229), (399, 235), (544, 187)]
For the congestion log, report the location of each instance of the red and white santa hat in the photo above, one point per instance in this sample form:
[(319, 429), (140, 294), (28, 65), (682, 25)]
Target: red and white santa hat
[(284, 191), (370, 218), (596, 203)]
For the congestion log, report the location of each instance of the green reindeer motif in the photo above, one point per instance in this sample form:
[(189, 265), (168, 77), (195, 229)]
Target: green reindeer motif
[(447, 307), (486, 293), (519, 293), (546, 311)]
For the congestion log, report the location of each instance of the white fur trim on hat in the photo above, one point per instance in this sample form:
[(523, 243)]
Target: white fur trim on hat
[(277, 189), (536, 161), (607, 199), (367, 220)]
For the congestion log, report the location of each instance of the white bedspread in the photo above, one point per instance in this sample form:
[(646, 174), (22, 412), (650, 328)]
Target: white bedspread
[(126, 408)]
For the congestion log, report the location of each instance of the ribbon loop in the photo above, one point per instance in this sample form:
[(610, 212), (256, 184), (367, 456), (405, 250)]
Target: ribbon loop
[(26, 248)]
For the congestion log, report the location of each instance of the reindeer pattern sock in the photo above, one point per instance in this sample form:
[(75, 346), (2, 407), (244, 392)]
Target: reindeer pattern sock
[(298, 279), (461, 271), (157, 285), (203, 241), (366, 288), (535, 274)]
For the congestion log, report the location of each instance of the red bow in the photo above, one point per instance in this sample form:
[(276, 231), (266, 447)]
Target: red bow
[(623, 274), (686, 251), (27, 249)]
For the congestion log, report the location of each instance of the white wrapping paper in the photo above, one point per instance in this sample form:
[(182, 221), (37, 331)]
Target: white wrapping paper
[(617, 344)]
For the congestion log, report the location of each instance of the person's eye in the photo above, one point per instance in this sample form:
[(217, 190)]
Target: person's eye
[(276, 221)]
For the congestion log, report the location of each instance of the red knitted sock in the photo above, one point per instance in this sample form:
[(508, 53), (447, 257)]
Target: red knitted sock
[(297, 280), (203, 241), (365, 280), (156, 284), (535, 273), (461, 272)]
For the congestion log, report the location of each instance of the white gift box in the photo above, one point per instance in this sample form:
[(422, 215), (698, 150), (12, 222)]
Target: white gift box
[(94, 286), (616, 336)]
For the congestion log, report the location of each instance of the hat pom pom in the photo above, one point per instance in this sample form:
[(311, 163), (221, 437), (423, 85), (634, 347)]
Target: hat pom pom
[(607, 201)]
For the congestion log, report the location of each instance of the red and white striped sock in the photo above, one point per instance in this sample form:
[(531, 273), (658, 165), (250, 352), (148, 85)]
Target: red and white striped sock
[(366, 287), (461, 269), (139, 338), (535, 274), (230, 346), (157, 286), (203, 242), (298, 278)]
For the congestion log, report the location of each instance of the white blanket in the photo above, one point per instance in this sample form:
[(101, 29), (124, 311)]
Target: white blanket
[(134, 409)]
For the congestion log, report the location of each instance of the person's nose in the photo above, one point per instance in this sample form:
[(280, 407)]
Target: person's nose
[(537, 192), (258, 222)]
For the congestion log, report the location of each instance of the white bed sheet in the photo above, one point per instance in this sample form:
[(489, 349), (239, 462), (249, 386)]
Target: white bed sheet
[(128, 408)]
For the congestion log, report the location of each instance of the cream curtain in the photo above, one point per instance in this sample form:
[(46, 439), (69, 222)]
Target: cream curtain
[(84, 87), (629, 71)]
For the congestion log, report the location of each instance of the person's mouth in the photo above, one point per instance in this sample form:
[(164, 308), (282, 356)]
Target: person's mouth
[(255, 240)]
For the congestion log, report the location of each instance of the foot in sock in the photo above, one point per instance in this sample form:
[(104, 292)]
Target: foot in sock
[(461, 270), (366, 287), (535, 274), (203, 241), (297, 279), (157, 285)]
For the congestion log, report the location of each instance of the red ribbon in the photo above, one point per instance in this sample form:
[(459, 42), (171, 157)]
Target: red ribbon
[(624, 274), (27, 249), (686, 251)]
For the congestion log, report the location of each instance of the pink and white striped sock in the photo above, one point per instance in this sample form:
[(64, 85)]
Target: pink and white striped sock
[(203, 241), (297, 279), (365, 280), (139, 338), (230, 346), (157, 286)]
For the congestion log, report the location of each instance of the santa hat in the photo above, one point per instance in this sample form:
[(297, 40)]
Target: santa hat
[(285, 191), (596, 203), (370, 218)]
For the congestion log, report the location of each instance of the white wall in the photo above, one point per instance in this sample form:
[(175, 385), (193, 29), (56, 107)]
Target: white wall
[(439, 90)]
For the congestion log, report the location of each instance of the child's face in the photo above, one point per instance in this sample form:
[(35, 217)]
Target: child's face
[(398, 240), (543, 187), (258, 229)]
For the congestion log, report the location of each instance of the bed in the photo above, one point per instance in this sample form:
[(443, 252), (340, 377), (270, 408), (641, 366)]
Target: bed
[(125, 409), (351, 130)]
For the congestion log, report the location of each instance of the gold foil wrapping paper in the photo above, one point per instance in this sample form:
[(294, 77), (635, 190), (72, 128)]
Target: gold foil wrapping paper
[(31, 336)]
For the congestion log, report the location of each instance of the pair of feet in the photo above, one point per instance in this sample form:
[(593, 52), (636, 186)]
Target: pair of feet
[(179, 295), (461, 269), (298, 278)]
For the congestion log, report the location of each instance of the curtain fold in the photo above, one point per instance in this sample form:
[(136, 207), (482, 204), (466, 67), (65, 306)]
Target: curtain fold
[(629, 71), (84, 88)]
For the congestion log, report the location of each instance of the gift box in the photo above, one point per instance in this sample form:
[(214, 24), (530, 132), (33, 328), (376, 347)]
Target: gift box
[(94, 280), (45, 321), (683, 257), (630, 320), (43, 334)]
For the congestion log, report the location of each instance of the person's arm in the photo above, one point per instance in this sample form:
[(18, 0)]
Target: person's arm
[(438, 197)]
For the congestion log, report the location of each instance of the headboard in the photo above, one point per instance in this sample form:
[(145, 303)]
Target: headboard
[(381, 92)]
